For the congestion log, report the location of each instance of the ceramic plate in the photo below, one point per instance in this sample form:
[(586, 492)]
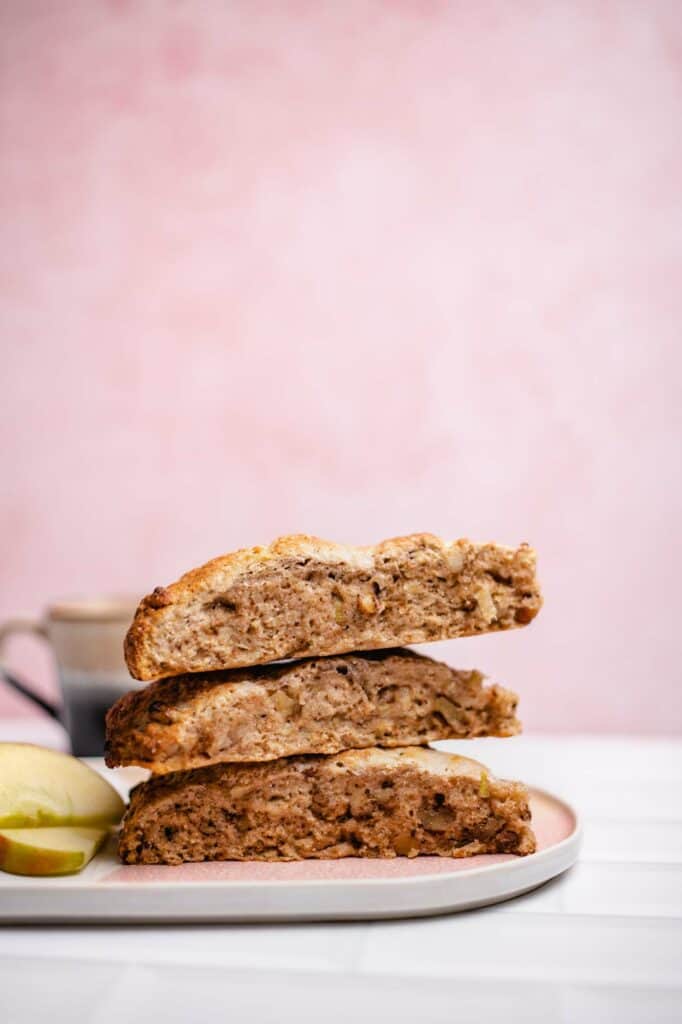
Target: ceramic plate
[(352, 888)]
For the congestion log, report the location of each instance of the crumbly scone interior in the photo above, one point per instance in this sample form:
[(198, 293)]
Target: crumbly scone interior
[(374, 803), (320, 705), (293, 607)]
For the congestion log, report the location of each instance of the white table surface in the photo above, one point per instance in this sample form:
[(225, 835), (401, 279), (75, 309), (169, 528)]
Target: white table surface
[(602, 943)]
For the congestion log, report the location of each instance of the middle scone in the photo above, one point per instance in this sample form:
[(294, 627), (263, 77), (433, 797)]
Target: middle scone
[(322, 705)]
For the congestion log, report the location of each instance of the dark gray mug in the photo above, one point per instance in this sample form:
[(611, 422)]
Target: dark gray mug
[(86, 637)]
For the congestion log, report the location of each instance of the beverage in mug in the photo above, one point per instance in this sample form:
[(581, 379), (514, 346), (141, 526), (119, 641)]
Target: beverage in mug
[(86, 637)]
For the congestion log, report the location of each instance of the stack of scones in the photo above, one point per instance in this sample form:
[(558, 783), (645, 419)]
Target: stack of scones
[(286, 721)]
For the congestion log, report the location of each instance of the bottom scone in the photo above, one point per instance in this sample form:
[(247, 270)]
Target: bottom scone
[(361, 803)]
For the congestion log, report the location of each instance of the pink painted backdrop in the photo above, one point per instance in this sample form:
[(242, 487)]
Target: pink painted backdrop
[(354, 269)]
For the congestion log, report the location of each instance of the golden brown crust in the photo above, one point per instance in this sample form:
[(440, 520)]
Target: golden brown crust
[(317, 705), (366, 803), (305, 596)]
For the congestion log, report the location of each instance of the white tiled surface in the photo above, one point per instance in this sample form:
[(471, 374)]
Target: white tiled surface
[(603, 943)]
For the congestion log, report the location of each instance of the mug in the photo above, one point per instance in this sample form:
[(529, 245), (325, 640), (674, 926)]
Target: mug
[(86, 637)]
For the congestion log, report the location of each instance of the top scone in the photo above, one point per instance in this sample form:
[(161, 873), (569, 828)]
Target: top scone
[(307, 597)]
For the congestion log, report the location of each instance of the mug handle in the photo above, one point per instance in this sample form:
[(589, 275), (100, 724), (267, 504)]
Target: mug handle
[(38, 629)]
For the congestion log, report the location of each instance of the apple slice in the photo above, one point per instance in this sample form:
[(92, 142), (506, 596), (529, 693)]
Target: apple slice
[(48, 851), (40, 787)]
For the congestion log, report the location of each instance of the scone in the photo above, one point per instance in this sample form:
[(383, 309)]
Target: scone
[(306, 597), (361, 803), (317, 705)]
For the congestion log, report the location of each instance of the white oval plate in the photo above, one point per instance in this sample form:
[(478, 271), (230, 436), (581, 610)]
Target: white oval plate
[(352, 888)]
